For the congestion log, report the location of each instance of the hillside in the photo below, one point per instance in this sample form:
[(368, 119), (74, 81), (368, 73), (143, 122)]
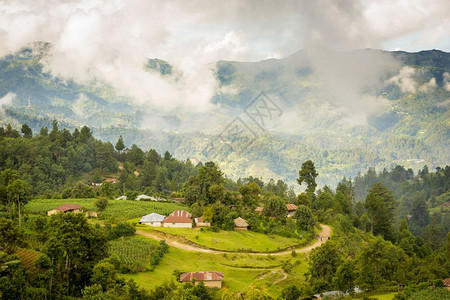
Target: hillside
[(346, 120)]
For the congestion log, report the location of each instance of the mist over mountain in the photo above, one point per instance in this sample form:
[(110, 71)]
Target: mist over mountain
[(347, 111)]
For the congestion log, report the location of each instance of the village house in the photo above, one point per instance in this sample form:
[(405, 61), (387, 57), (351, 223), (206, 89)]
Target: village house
[(446, 283), (179, 219), (91, 214), (152, 219), (179, 200), (199, 222), (291, 209), (240, 224), (259, 210), (111, 180), (211, 279), (143, 197), (122, 198), (66, 207)]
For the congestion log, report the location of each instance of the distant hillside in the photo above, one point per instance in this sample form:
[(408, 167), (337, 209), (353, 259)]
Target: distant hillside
[(330, 110)]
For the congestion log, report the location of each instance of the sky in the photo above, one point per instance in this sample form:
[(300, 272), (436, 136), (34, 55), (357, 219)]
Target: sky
[(110, 39)]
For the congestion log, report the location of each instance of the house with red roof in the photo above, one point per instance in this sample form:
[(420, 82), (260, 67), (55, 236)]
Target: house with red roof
[(291, 209), (210, 279), (446, 283), (66, 207), (178, 219)]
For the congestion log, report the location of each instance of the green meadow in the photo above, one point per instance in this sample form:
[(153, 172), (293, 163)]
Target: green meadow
[(233, 241)]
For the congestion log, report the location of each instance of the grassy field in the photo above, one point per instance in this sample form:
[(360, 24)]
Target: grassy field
[(232, 241), (118, 209), (241, 271)]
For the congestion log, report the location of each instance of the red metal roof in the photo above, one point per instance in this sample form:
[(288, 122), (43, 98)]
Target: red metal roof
[(201, 276), (446, 282), (68, 207), (179, 216), (291, 207)]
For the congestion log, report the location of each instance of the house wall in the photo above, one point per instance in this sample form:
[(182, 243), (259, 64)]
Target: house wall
[(241, 228), (200, 224), (178, 225), (154, 224), (52, 212)]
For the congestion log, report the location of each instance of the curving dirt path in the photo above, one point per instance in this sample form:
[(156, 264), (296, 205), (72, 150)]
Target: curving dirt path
[(322, 238)]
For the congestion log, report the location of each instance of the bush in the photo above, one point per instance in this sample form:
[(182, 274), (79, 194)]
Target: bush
[(122, 229), (101, 203)]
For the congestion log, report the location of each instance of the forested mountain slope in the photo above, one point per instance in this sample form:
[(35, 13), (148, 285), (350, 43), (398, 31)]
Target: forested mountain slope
[(347, 111)]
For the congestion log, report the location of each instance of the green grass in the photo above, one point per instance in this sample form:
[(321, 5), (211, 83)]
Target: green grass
[(240, 270), (118, 209), (135, 252), (232, 241)]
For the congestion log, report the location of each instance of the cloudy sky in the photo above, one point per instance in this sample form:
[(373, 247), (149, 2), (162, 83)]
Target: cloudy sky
[(110, 39)]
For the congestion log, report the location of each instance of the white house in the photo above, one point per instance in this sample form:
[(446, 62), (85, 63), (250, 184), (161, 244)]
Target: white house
[(152, 219), (140, 197), (122, 198), (179, 218)]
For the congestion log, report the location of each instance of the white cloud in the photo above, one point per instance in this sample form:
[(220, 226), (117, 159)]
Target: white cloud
[(447, 81), (6, 101), (405, 80)]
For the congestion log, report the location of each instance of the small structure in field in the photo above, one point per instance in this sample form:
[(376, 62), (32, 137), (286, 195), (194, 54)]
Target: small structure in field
[(291, 209), (152, 219), (91, 214), (199, 222), (66, 207), (210, 279), (446, 283), (179, 200), (122, 198), (240, 224), (143, 197), (259, 210), (179, 219), (111, 180)]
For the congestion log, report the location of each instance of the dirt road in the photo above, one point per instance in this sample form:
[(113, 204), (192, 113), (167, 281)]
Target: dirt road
[(322, 238)]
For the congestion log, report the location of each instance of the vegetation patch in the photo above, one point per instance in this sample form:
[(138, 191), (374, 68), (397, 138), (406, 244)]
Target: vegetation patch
[(137, 254)]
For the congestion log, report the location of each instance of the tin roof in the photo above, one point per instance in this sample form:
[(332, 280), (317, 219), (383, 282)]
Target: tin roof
[(179, 216), (291, 207), (68, 207), (201, 276), (153, 217)]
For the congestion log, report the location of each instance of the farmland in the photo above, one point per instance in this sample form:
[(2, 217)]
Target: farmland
[(117, 209), (232, 241), (135, 252), (241, 271)]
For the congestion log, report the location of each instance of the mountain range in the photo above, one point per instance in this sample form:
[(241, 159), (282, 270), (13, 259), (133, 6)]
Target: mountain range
[(346, 111)]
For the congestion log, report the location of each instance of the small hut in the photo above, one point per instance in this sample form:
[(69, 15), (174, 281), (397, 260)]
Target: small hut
[(211, 279), (446, 283), (240, 224), (199, 222), (66, 207), (292, 208)]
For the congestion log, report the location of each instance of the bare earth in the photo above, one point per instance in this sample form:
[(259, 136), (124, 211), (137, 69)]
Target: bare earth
[(320, 239)]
